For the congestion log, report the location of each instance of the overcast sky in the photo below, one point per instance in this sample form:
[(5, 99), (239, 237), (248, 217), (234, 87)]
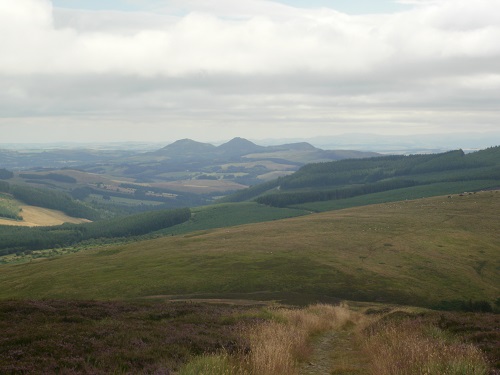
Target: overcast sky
[(160, 70)]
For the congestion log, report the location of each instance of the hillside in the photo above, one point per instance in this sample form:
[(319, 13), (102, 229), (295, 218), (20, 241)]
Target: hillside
[(420, 252), (408, 176)]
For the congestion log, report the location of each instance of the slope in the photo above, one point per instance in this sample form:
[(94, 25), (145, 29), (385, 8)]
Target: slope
[(429, 175), (415, 252)]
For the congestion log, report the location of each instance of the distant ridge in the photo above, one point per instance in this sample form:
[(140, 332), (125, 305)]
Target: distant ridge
[(299, 146), (238, 147)]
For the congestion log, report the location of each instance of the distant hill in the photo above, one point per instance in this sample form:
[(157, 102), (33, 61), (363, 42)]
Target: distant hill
[(186, 147), (183, 173), (235, 164), (239, 147)]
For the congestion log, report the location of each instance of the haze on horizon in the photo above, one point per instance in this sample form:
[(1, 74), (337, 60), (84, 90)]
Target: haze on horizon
[(158, 70)]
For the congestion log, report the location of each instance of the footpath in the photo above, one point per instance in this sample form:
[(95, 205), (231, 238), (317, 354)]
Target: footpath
[(336, 353)]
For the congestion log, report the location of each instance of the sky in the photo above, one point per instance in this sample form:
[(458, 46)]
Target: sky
[(162, 70)]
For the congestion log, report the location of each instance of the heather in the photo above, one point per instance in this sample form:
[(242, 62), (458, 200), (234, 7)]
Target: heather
[(151, 337)]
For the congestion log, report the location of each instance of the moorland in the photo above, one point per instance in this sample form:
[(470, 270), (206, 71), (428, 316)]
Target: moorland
[(149, 281)]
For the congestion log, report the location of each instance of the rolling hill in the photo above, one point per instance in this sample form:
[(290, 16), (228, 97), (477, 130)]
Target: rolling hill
[(419, 252)]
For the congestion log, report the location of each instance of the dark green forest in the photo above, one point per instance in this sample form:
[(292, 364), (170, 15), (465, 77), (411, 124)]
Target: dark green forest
[(22, 239), (355, 177), (52, 199)]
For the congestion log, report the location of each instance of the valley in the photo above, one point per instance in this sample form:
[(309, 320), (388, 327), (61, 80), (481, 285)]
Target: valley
[(180, 275)]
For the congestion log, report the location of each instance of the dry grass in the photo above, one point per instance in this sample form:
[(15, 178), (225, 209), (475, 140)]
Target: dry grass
[(411, 347), (38, 216), (276, 347)]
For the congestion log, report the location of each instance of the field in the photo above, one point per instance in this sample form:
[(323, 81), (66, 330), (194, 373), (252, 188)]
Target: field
[(419, 252), (200, 186), (31, 215)]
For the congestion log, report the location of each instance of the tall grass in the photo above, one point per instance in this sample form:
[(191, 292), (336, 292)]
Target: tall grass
[(277, 346), (219, 364), (411, 347)]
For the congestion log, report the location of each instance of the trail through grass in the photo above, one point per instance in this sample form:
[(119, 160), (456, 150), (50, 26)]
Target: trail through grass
[(336, 352)]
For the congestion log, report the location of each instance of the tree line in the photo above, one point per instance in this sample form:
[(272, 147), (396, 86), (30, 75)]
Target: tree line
[(291, 198), (50, 199), (49, 176), (22, 239), (352, 177)]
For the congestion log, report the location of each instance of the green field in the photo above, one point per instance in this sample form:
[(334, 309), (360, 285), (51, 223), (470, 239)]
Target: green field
[(413, 252)]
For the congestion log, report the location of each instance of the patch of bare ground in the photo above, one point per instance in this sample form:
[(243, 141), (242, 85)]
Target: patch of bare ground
[(224, 301), (336, 352), (38, 216), (200, 186)]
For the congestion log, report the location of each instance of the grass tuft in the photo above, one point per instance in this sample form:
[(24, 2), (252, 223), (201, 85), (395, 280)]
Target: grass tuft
[(411, 347), (277, 347)]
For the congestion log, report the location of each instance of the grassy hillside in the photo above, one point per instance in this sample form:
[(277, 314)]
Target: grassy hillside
[(416, 252), (231, 214)]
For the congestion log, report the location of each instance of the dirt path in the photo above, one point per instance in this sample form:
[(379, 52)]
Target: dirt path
[(336, 353)]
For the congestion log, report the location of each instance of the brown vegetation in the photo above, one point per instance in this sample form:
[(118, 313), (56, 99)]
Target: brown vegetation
[(413, 347), (38, 216)]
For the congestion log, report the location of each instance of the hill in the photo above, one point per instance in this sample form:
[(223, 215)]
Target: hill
[(428, 175), (420, 252), (238, 147), (186, 148)]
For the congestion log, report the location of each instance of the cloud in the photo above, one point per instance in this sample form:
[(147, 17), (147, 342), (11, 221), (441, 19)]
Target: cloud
[(252, 60), (261, 43)]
